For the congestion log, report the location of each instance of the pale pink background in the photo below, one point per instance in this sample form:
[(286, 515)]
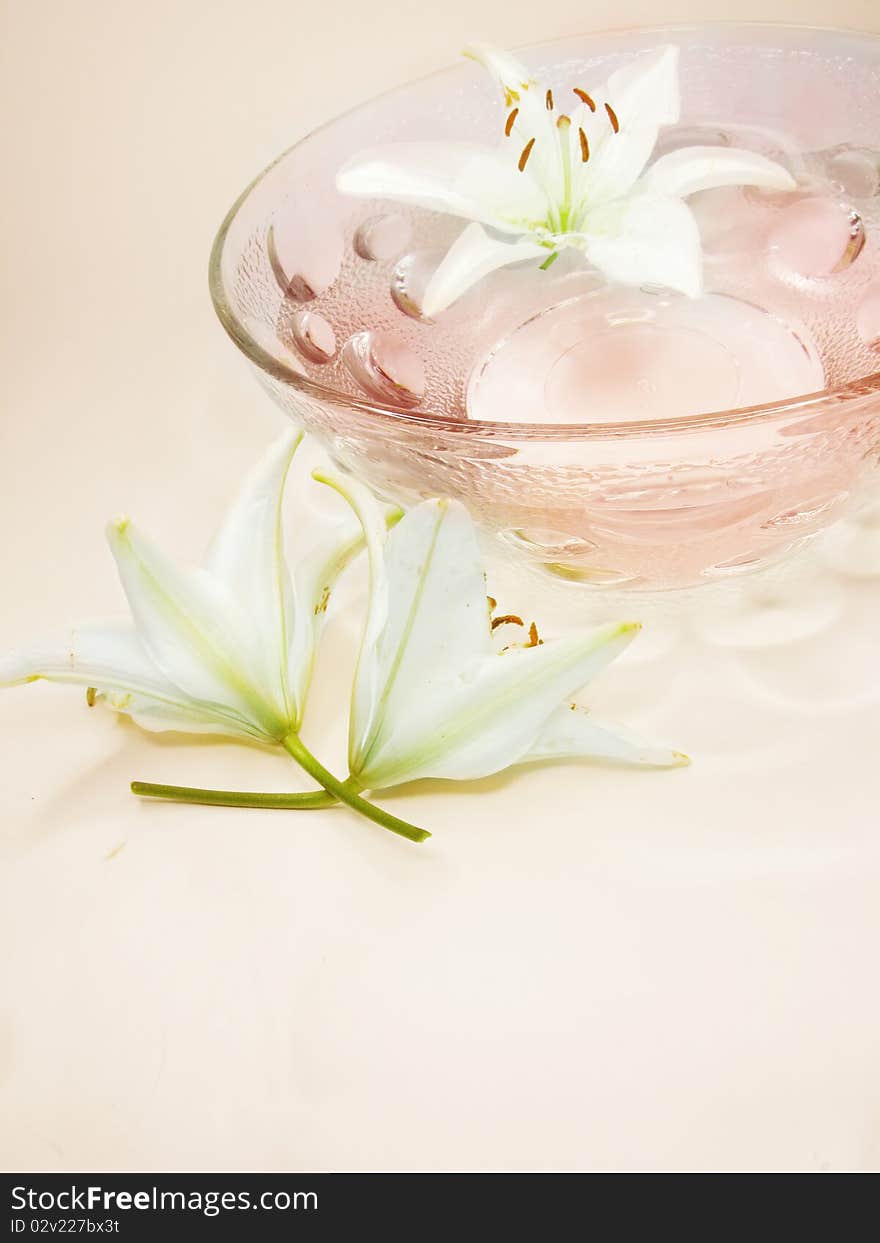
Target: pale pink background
[(584, 968)]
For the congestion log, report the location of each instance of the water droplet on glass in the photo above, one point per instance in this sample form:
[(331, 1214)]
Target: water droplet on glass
[(382, 237), (815, 237), (590, 576), (313, 336), (409, 280), (690, 136), (305, 255), (542, 543), (385, 368), (868, 317), (856, 171)]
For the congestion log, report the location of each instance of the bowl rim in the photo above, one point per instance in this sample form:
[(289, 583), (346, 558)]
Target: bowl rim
[(864, 386)]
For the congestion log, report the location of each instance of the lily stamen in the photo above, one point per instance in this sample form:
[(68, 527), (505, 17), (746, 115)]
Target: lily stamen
[(511, 120), (585, 98), (526, 152), (612, 117), (548, 99), (505, 619), (585, 146)]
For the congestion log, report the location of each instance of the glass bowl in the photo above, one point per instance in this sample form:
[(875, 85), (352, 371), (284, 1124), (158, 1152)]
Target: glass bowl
[(321, 294)]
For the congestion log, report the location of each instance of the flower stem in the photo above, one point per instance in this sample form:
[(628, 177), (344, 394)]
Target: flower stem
[(345, 792), (234, 798), (549, 260)]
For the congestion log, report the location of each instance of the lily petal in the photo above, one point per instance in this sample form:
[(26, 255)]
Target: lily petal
[(463, 179), (247, 558), (643, 96), (108, 655), (657, 243), (194, 632), (531, 118), (691, 169), (366, 689), (427, 616), (158, 715), (646, 86), (473, 255), (111, 658), (572, 732), (315, 578), (488, 715)]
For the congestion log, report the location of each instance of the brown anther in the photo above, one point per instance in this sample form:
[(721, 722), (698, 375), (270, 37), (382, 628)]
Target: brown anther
[(526, 152), (612, 117), (493, 603), (510, 122), (585, 98), (534, 641), (548, 100), (585, 146), (507, 617)]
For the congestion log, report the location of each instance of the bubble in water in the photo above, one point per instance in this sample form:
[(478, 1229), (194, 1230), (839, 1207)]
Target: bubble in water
[(313, 336), (385, 368), (868, 317), (410, 278), (815, 237), (544, 543), (690, 136), (856, 171), (305, 255), (382, 237)]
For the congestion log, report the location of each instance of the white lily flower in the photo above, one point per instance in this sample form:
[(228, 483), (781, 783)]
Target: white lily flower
[(225, 649), (577, 177), (432, 698)]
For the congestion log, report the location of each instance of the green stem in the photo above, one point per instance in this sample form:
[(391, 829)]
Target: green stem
[(233, 798), (550, 259), (345, 792)]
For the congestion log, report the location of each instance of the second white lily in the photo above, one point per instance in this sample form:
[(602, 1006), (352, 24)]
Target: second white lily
[(432, 697)]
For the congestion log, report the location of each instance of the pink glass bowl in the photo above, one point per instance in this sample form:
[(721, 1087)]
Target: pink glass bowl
[(320, 292)]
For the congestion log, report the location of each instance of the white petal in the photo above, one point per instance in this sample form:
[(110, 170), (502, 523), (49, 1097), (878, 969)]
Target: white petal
[(644, 95), (91, 655), (646, 89), (489, 715), (691, 169), (533, 119), (158, 716), (316, 576), (571, 732), (366, 689), (112, 659), (472, 256), (464, 179), (427, 620), (247, 559), (194, 631), (655, 241), (511, 74)]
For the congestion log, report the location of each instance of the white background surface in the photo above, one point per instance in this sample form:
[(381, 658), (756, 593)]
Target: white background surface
[(584, 968)]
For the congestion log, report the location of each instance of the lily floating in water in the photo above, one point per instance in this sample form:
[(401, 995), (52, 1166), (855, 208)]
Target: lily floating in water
[(569, 171)]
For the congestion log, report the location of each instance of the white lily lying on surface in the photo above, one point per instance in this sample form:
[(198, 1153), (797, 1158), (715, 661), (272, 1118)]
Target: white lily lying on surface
[(225, 649), (560, 178), (432, 697)]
